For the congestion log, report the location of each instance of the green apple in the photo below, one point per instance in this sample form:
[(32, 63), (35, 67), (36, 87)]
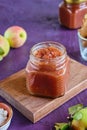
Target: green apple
[(4, 47), (79, 121), (16, 36)]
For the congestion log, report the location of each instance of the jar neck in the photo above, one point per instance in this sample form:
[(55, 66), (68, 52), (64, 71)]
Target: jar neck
[(52, 63), (74, 4)]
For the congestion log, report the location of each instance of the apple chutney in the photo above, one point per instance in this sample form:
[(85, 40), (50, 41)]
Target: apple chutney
[(71, 13), (47, 70)]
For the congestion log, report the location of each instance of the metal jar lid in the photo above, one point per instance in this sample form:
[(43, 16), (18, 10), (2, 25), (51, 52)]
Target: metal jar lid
[(75, 1)]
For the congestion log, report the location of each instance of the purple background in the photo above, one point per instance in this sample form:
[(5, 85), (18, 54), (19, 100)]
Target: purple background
[(40, 19)]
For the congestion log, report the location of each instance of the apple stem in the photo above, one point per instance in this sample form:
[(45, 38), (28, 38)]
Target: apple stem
[(70, 118)]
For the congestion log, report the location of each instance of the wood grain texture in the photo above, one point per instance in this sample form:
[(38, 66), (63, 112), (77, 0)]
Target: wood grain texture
[(14, 90)]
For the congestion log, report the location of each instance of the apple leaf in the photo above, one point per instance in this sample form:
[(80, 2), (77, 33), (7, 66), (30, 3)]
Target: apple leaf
[(77, 116), (1, 51), (62, 126), (74, 109)]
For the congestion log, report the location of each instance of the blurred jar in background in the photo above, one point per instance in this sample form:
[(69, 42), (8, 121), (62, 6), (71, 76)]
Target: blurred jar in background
[(47, 71), (71, 13)]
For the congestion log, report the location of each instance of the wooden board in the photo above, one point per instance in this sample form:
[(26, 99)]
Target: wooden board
[(13, 89)]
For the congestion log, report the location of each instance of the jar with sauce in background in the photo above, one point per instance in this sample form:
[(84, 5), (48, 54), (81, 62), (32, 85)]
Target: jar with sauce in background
[(47, 71), (71, 13)]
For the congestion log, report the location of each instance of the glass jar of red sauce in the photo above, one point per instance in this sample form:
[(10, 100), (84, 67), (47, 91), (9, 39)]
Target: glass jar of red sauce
[(71, 13), (47, 70)]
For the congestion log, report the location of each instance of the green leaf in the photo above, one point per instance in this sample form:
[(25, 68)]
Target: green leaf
[(1, 51), (62, 126), (72, 110), (77, 116)]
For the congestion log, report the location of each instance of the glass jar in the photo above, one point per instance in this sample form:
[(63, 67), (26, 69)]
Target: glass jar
[(47, 70), (71, 13)]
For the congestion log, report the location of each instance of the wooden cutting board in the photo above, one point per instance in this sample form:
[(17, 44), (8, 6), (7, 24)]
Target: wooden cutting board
[(14, 90)]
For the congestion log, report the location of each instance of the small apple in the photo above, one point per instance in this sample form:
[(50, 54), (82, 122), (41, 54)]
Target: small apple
[(16, 36), (4, 47), (79, 121)]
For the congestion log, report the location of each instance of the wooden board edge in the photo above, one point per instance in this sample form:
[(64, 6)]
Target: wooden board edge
[(34, 117)]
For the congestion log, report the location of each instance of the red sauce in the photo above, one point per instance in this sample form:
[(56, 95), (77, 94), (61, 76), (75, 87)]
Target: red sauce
[(71, 14), (47, 78), (48, 53)]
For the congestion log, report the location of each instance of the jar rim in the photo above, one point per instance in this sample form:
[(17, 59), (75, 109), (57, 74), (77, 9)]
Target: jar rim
[(46, 44)]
